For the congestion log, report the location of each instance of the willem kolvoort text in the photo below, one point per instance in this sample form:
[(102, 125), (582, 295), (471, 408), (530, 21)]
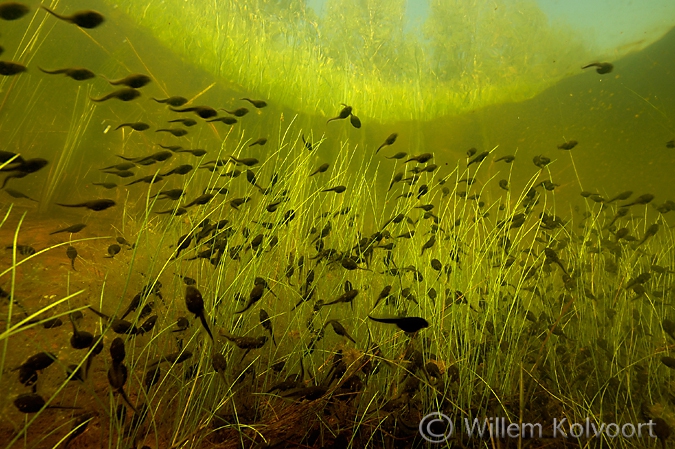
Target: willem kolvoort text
[(559, 428)]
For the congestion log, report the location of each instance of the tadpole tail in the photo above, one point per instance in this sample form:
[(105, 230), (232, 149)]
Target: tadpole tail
[(58, 16), (126, 399), (206, 326)]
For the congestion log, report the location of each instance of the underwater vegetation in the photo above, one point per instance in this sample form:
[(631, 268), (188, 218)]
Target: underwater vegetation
[(466, 55), (188, 267)]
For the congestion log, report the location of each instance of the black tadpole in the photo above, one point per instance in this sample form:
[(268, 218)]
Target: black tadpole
[(80, 339), (172, 101), (83, 19), (182, 323), (339, 329), (125, 94), (600, 67), (195, 304), (117, 351), (70, 229), (33, 403), (71, 252), (76, 73), (117, 378), (254, 297), (135, 80), (406, 324), (389, 141), (344, 113), (267, 324), (13, 10), (257, 103), (95, 205)]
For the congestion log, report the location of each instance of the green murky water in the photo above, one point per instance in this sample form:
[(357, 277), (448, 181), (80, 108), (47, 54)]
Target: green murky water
[(541, 303)]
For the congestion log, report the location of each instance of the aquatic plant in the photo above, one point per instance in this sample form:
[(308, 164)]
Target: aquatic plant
[(535, 309), (515, 307), (467, 55)]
